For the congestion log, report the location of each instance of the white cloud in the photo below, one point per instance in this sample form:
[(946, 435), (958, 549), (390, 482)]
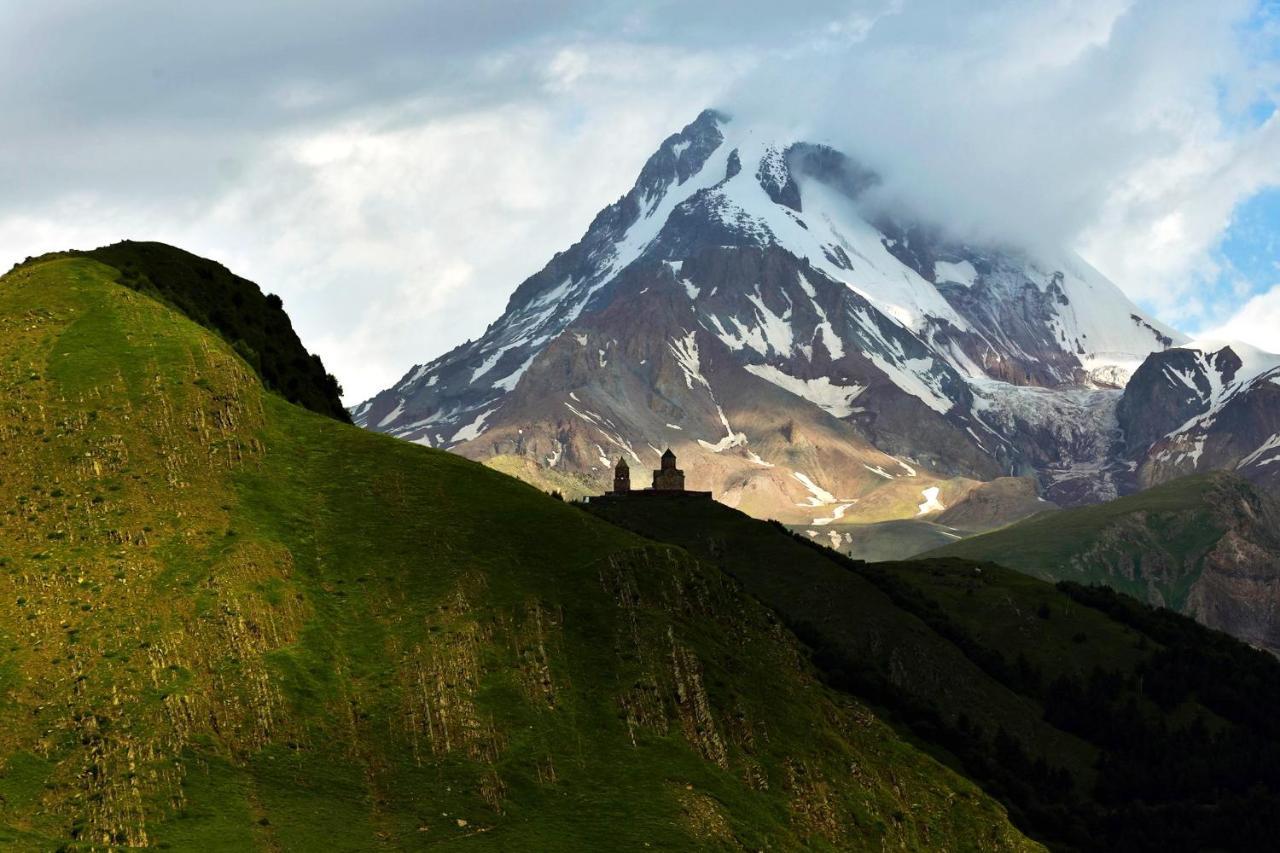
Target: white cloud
[(395, 175), (1107, 125), (1257, 323), (396, 234), (1156, 233)]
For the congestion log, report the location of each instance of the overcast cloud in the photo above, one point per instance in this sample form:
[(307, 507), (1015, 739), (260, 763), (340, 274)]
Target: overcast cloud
[(395, 169)]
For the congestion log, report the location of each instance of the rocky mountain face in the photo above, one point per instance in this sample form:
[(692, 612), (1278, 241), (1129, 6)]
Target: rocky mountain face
[(809, 355), (1208, 407)]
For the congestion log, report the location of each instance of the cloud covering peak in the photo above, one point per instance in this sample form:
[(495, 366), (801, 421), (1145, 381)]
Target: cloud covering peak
[(394, 171)]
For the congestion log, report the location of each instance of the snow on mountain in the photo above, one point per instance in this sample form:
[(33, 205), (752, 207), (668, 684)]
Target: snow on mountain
[(1205, 405), (764, 258)]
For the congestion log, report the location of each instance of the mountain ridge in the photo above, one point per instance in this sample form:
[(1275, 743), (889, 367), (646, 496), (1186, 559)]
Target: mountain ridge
[(229, 622), (745, 262), (1096, 719)]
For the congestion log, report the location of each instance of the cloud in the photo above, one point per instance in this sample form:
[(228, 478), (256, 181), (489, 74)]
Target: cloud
[(393, 172), (393, 188), (1102, 124), (1257, 322)]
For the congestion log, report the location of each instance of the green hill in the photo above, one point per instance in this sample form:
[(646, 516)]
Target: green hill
[(228, 623), (1207, 546), (1101, 723), (255, 324)]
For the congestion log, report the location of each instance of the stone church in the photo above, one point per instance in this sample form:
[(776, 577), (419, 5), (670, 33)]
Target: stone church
[(667, 480)]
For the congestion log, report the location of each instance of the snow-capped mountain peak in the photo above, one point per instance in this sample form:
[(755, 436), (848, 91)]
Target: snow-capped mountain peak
[(762, 254)]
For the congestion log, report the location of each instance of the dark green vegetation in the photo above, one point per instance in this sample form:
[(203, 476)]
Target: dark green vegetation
[(1207, 546), (1101, 723), (255, 324), (228, 623)]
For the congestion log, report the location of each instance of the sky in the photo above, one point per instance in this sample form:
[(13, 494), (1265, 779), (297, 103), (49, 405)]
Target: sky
[(395, 168)]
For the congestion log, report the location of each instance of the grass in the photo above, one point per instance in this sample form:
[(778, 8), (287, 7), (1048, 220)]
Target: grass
[(848, 612), (1099, 723), (253, 323), (1150, 545), (247, 626)]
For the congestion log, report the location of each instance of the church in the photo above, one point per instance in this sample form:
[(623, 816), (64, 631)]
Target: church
[(668, 480)]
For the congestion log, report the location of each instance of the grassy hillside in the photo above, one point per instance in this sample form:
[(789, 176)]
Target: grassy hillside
[(1100, 723), (255, 324), (227, 623), (1171, 526), (1207, 546)]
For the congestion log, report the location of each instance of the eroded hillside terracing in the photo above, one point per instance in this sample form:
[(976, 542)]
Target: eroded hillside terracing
[(229, 622)]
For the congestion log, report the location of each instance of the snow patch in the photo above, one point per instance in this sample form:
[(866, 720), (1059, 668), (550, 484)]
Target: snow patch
[(957, 273), (473, 429), (686, 352), (931, 502), (508, 382), (393, 414), (817, 495), (488, 363), (1255, 458), (837, 513), (732, 439), (822, 392)]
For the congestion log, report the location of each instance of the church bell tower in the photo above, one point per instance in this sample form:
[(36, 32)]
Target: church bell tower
[(621, 478)]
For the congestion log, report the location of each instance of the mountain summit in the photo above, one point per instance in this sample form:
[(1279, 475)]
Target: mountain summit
[(810, 356)]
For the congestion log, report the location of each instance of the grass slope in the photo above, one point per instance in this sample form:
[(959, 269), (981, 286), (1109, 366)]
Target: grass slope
[(1100, 723), (228, 623), (255, 324), (1150, 545)]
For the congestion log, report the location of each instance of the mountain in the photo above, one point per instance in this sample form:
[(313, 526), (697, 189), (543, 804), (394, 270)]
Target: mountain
[(1205, 406), (1101, 723), (230, 623), (1206, 545), (807, 353)]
